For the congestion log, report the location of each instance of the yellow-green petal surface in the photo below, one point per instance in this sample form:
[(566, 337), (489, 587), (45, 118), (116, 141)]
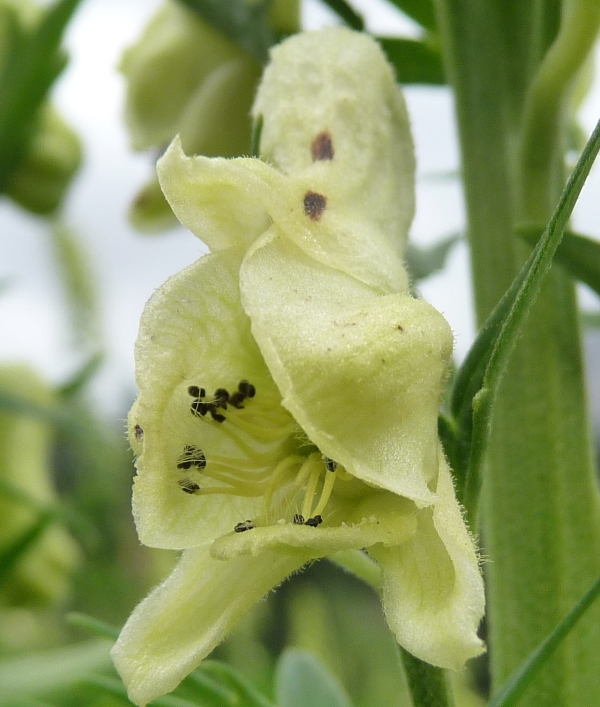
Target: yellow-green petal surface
[(361, 373), (433, 594), (183, 619)]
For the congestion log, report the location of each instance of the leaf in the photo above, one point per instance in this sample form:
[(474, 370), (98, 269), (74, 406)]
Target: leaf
[(81, 377), (37, 674), (243, 22), (509, 694), (79, 286), (116, 688), (206, 688), (32, 61), (414, 61), (421, 11), (579, 254), (257, 127), (89, 623), (10, 556), (79, 525), (347, 13), (226, 674), (423, 262), (590, 319), (478, 379), (301, 681)]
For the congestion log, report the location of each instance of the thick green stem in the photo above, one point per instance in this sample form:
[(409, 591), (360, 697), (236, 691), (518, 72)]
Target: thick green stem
[(429, 686), (541, 522)]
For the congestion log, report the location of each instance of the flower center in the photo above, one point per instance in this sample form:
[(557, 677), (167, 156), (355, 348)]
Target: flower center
[(264, 453)]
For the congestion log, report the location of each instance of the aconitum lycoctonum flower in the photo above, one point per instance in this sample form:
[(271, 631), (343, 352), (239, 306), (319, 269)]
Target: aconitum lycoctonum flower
[(289, 383)]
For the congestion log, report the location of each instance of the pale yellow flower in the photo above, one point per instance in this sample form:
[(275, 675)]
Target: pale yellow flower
[(289, 383)]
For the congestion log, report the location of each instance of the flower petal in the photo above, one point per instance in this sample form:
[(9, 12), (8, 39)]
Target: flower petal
[(182, 620), (332, 112), (432, 587), (215, 198), (193, 332), (361, 373), (232, 202), (381, 517)]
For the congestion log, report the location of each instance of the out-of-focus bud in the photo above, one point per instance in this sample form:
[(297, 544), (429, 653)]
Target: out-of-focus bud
[(41, 575), (185, 77), (53, 156), (54, 151)]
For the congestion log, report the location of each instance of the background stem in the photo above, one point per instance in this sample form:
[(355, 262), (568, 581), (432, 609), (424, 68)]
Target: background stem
[(540, 514)]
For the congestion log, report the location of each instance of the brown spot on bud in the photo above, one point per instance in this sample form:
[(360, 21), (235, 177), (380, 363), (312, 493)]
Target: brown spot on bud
[(322, 147), (314, 205)]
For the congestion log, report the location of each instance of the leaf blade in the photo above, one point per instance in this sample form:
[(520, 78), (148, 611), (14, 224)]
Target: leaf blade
[(415, 61), (515, 686)]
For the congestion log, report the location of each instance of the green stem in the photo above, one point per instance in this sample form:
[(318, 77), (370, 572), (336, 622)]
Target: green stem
[(429, 686), (540, 511), (543, 121)]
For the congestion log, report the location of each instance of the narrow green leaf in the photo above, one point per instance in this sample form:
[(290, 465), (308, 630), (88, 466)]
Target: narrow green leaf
[(414, 61), (478, 378), (590, 319), (206, 688), (10, 556), (257, 127), (37, 674), (31, 64), (82, 377), (52, 414), (347, 13), (244, 22), (509, 694), (116, 688), (423, 262), (579, 254), (302, 681), (79, 286), (421, 11), (89, 623), (225, 673)]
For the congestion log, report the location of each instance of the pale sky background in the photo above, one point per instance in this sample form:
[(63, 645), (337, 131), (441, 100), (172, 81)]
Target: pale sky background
[(129, 266)]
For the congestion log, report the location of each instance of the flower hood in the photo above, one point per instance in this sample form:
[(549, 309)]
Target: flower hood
[(289, 383)]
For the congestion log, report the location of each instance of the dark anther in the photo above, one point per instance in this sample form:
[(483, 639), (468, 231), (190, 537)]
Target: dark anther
[(199, 408), (298, 519), (314, 521), (196, 392), (330, 464), (216, 416), (314, 205), (138, 432), (322, 147), (188, 486), (221, 397), (243, 526), (237, 399), (247, 389), (192, 456)]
